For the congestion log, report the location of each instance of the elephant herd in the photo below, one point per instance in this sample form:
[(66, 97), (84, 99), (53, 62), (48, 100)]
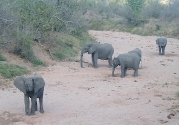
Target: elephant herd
[(33, 86), (131, 59)]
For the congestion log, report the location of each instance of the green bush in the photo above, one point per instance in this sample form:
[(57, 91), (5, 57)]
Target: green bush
[(2, 58), (37, 62), (23, 47), (9, 70), (59, 55)]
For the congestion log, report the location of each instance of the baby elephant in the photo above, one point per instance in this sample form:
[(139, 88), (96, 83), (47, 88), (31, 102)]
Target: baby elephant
[(32, 87), (127, 60), (138, 52), (161, 42)]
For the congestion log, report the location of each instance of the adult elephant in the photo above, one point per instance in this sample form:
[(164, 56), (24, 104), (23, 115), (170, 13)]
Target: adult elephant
[(98, 51), (32, 87), (161, 42), (127, 60)]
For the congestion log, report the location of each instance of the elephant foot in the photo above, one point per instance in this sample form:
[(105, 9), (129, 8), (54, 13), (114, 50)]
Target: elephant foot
[(135, 75), (42, 111), (122, 76), (28, 114), (32, 113)]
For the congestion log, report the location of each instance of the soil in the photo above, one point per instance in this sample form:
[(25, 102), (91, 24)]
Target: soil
[(88, 96)]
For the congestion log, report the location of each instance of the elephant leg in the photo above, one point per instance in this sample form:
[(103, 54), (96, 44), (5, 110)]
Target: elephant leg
[(95, 58), (92, 57), (135, 73), (163, 50), (26, 101), (41, 104), (160, 50), (110, 62), (125, 70), (122, 71), (33, 103)]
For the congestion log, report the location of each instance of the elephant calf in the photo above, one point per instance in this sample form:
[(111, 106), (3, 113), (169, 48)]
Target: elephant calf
[(127, 60), (32, 87), (161, 42), (138, 52)]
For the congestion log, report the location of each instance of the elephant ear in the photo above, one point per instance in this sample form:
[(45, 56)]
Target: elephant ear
[(157, 41), (38, 82), (19, 83), (164, 41), (92, 48)]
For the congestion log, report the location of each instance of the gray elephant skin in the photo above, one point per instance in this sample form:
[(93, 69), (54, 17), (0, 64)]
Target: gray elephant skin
[(138, 52), (127, 60), (98, 51), (32, 87), (161, 42)]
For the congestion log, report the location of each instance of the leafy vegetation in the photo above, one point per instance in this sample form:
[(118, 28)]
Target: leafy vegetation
[(9, 70), (60, 26), (136, 9), (2, 58)]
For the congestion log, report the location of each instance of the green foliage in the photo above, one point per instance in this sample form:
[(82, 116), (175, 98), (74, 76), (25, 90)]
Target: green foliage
[(102, 24), (60, 55), (136, 8), (2, 58), (9, 70), (37, 62), (24, 47), (153, 9)]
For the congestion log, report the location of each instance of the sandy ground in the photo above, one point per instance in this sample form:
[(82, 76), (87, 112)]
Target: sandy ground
[(88, 96)]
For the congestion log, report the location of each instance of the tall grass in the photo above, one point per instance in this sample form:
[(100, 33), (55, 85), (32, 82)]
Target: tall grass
[(9, 70)]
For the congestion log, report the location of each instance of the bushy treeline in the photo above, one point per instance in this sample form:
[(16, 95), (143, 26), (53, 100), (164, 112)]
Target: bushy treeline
[(24, 21)]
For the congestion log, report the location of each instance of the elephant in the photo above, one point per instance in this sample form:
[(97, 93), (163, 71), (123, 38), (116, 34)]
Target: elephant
[(138, 52), (127, 60), (98, 51), (161, 42), (32, 87)]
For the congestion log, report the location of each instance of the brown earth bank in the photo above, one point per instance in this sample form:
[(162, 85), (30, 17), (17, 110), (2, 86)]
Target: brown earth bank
[(88, 96)]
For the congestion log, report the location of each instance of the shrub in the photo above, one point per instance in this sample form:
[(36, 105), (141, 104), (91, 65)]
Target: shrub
[(10, 70), (37, 62), (2, 58)]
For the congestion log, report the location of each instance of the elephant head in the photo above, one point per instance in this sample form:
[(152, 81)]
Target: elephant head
[(28, 84), (116, 62), (162, 41), (88, 48)]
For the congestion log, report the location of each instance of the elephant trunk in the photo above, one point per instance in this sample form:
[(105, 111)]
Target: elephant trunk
[(81, 59)]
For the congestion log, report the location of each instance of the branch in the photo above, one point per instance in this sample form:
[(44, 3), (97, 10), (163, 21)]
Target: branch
[(47, 49), (66, 22)]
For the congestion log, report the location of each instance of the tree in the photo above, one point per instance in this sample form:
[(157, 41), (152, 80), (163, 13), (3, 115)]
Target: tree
[(136, 7)]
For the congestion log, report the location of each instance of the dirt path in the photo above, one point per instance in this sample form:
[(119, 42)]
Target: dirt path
[(88, 96)]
